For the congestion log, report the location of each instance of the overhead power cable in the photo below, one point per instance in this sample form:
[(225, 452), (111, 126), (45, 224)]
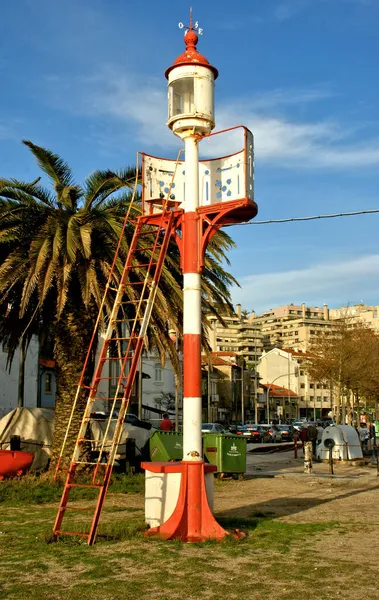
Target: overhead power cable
[(311, 218)]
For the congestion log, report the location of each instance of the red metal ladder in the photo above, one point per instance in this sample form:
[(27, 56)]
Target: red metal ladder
[(122, 346)]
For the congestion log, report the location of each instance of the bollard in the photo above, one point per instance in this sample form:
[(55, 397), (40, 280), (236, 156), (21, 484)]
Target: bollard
[(308, 457), (330, 443), (331, 471), (376, 454), (295, 442)]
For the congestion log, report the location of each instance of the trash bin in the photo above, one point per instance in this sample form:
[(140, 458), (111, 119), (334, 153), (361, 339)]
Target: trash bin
[(165, 446), (227, 452)]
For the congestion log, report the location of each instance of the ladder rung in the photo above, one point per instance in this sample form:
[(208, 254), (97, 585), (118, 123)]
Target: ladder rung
[(136, 283), (79, 533), (132, 302), (117, 399), (85, 509), (126, 320), (148, 232), (154, 264), (86, 485), (121, 339), (117, 357)]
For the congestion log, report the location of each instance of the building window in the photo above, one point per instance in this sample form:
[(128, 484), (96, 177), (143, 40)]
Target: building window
[(319, 386), (318, 398), (302, 385), (158, 374), (302, 398), (48, 383), (312, 385), (301, 372), (326, 398)]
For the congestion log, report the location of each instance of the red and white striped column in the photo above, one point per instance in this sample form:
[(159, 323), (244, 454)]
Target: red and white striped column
[(192, 407)]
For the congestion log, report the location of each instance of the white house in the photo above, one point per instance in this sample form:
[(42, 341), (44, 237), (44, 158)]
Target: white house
[(39, 388)]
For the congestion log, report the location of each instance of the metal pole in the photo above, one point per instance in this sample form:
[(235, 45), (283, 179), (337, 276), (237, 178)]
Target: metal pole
[(140, 389), (242, 396), (178, 383), (331, 470), (209, 391), (289, 387)]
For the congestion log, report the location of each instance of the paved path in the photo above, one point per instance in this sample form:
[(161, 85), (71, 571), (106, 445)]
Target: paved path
[(282, 464)]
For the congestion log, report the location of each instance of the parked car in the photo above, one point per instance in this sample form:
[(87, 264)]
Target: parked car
[(253, 433), (212, 428), (275, 435), (299, 425), (129, 418), (287, 432)]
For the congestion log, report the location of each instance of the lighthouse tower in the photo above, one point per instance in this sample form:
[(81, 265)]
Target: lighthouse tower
[(208, 194)]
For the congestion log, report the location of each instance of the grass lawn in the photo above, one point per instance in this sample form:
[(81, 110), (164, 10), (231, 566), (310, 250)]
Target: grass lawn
[(278, 560)]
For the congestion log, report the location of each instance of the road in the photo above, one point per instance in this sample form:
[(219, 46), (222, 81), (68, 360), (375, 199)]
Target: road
[(284, 464)]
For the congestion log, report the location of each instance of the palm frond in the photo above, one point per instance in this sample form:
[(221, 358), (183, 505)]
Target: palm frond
[(101, 184), (53, 165)]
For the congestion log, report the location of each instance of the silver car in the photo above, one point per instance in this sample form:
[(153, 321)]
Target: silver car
[(212, 428), (275, 433)]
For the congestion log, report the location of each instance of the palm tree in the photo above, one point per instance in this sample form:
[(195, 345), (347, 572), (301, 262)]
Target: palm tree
[(57, 248)]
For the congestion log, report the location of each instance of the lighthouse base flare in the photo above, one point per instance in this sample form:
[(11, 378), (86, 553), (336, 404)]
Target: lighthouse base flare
[(192, 519)]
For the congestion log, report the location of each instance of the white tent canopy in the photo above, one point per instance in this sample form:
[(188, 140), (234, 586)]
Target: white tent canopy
[(35, 426), (346, 443)]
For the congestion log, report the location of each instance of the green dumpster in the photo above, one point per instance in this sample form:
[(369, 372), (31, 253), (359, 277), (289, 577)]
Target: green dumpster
[(227, 452), (165, 446)]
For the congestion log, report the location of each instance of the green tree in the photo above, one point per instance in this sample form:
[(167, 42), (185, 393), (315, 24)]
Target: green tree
[(347, 358), (57, 247)]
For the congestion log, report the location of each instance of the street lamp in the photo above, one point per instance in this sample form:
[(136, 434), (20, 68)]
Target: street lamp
[(268, 391)]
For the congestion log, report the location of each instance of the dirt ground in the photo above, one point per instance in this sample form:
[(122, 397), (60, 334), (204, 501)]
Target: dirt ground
[(314, 537), (276, 483)]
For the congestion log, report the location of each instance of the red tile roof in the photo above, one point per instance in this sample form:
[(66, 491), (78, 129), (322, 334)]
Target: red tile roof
[(276, 391), (216, 361)]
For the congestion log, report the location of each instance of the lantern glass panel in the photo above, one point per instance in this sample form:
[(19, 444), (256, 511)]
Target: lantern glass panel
[(181, 97)]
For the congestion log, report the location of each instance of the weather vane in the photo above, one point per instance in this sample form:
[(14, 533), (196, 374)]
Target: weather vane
[(191, 27)]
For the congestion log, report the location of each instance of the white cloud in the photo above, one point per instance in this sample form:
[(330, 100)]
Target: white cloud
[(287, 10), (140, 103), (7, 132), (334, 283)]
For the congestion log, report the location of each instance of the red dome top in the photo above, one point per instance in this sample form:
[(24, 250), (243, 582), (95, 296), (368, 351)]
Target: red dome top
[(191, 56)]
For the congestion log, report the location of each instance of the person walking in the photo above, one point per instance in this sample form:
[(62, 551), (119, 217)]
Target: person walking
[(364, 436), (320, 431), (166, 424), (312, 437)]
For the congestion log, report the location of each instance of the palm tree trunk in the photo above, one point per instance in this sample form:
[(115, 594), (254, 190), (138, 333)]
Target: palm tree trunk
[(73, 334)]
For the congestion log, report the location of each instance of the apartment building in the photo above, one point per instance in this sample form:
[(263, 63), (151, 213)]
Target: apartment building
[(292, 326), (285, 367), (240, 334), (369, 315)]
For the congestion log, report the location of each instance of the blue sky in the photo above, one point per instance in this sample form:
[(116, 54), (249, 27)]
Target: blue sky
[(86, 79)]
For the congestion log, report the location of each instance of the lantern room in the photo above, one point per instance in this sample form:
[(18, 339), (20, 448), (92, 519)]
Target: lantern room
[(191, 91)]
